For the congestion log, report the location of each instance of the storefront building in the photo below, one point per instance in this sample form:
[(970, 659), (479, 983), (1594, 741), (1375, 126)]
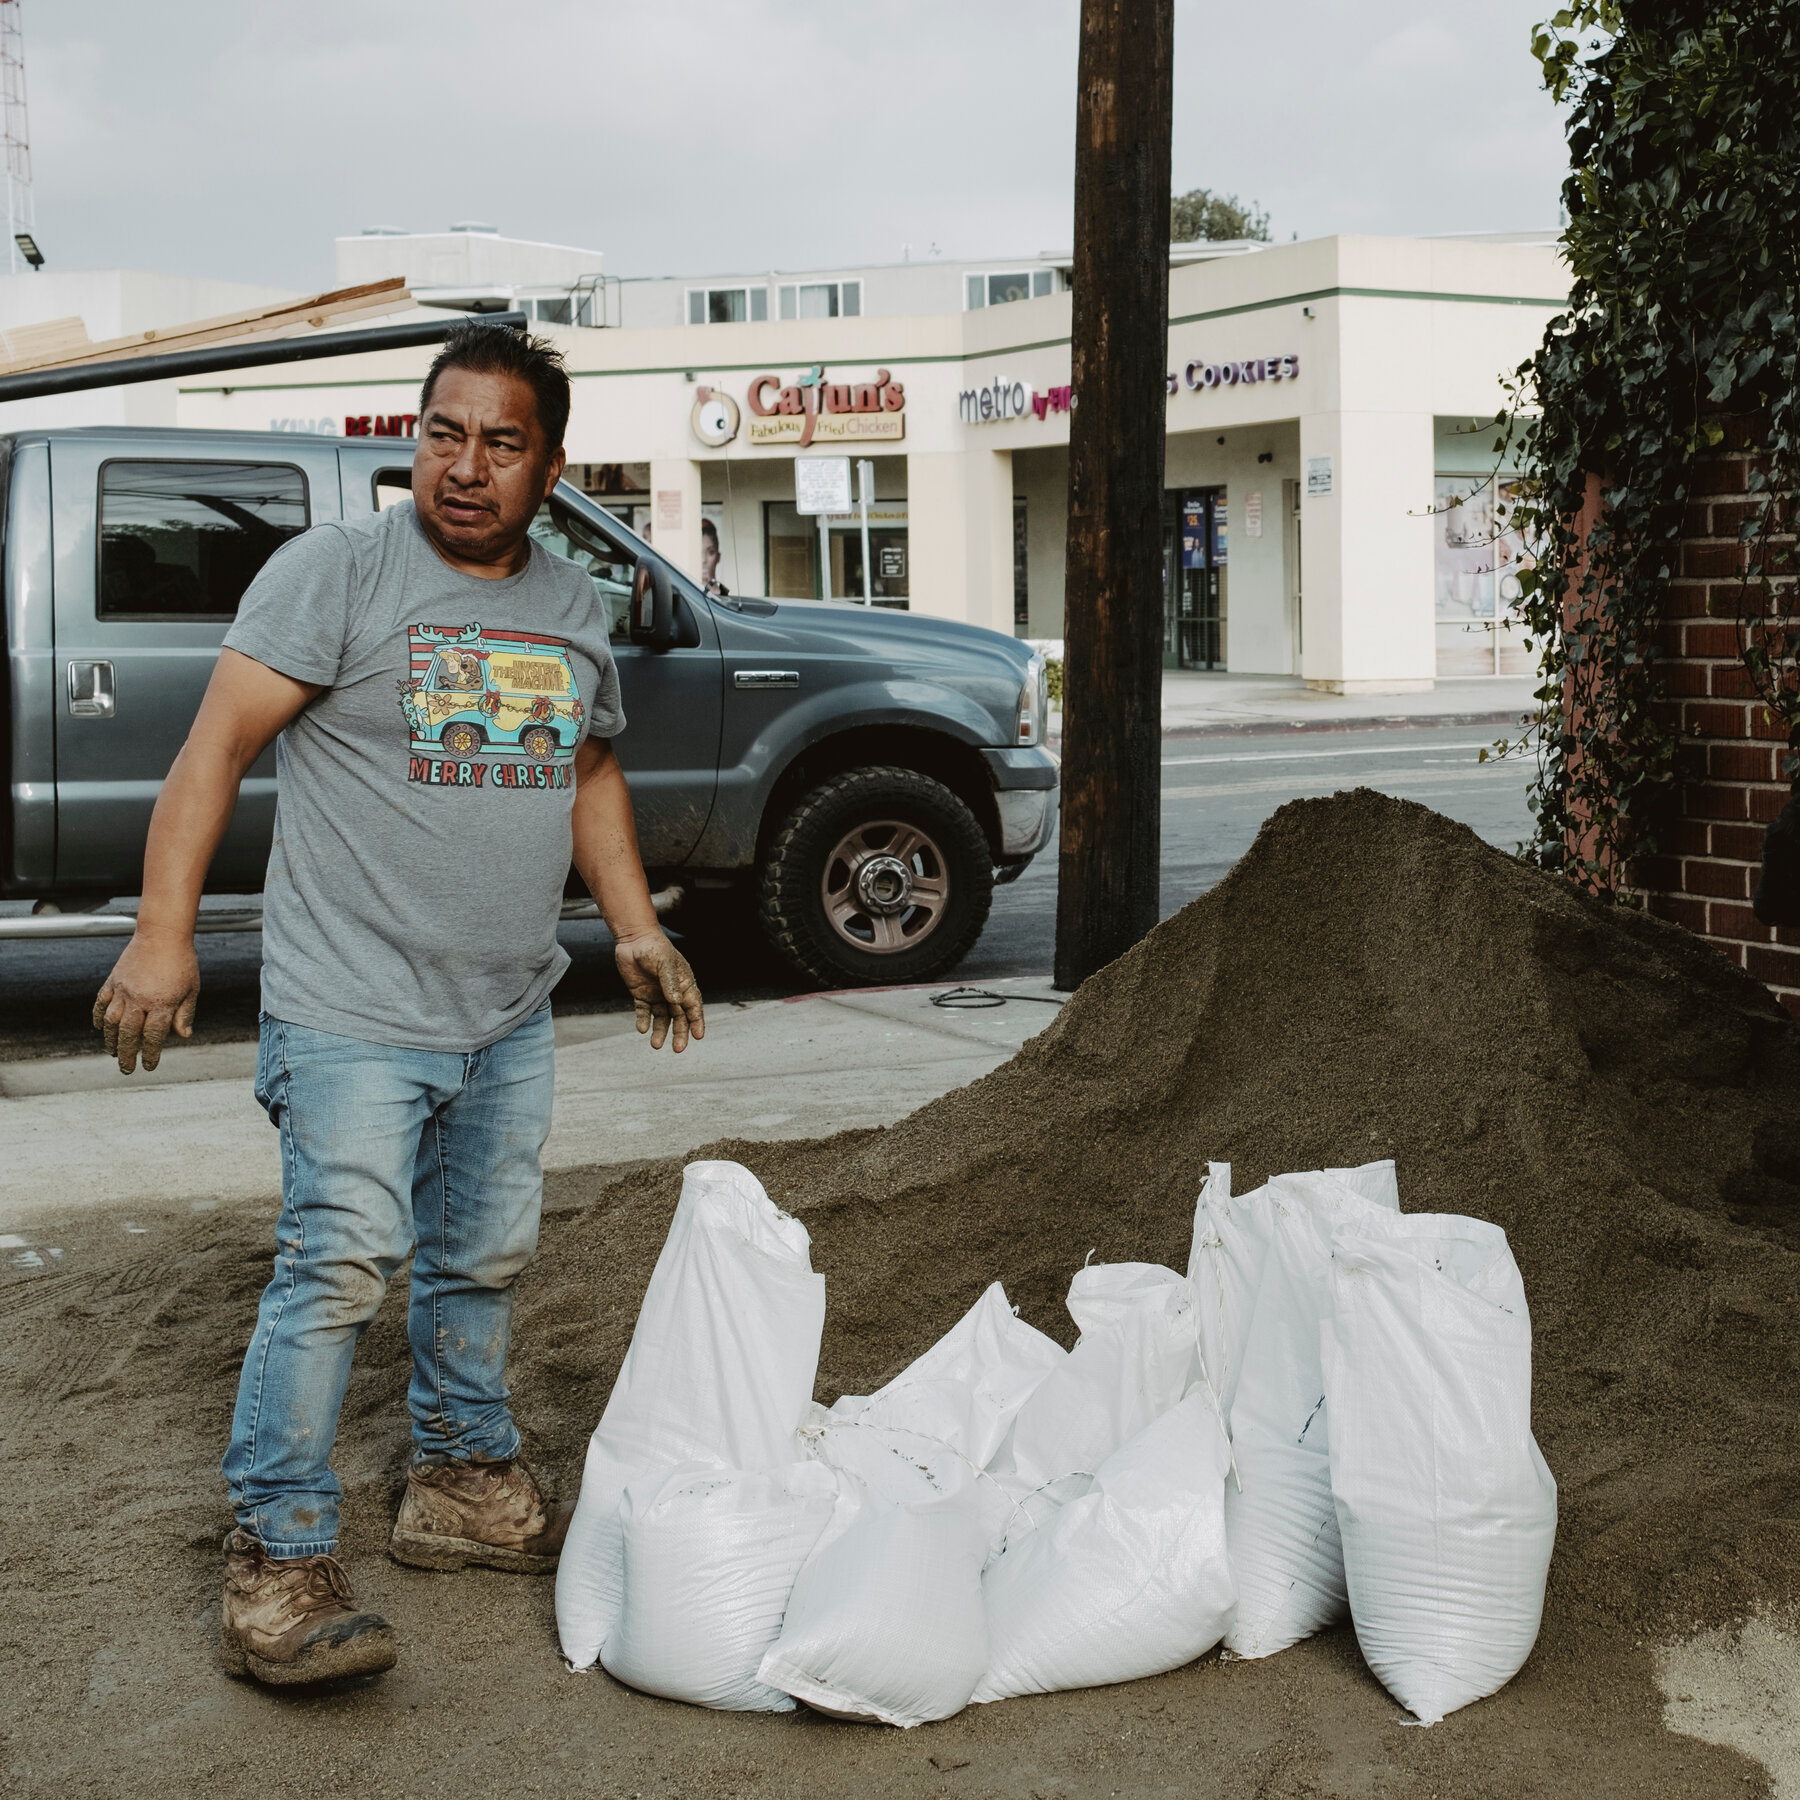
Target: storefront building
[(1335, 505)]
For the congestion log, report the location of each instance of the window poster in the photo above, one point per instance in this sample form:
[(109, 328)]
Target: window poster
[(1464, 515), (1481, 551), (1193, 532)]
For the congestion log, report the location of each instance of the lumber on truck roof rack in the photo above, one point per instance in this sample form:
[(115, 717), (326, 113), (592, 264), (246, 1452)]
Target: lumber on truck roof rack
[(70, 378), (59, 343)]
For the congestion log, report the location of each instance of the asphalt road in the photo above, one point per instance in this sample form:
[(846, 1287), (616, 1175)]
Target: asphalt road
[(1217, 790)]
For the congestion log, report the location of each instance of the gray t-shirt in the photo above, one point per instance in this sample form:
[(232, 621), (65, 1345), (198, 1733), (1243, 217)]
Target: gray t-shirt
[(422, 832)]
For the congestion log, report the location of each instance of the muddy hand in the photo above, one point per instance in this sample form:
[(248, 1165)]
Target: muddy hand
[(153, 989), (662, 989)]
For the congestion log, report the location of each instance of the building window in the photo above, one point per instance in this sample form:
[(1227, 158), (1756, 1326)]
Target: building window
[(1021, 284), (821, 300), (563, 309), (727, 306), (182, 540), (1480, 555)]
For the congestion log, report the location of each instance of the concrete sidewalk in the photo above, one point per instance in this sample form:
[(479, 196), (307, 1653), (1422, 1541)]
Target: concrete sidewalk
[(1199, 702), (79, 1134)]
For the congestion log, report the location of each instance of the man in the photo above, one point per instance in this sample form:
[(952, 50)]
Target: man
[(445, 700)]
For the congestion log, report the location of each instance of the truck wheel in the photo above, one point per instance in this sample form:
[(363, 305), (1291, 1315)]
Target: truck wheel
[(878, 876), (540, 743), (461, 740)]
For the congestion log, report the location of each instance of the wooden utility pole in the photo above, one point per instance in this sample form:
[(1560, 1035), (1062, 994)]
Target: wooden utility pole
[(1110, 861)]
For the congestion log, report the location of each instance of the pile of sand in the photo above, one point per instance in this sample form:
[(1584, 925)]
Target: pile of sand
[(1371, 980)]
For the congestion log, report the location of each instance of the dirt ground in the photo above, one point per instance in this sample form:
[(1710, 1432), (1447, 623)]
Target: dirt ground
[(1371, 980), (112, 1574)]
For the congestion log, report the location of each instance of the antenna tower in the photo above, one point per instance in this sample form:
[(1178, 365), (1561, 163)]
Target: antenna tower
[(15, 133)]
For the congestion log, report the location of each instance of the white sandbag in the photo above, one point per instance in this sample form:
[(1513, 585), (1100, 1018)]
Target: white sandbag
[(884, 1465), (1280, 1519), (966, 1390), (720, 1367), (709, 1559), (1377, 1182), (1231, 1245), (1132, 1362), (1225, 1266), (926, 1435), (1323, 1189), (886, 1620), (1127, 1580), (1447, 1510)]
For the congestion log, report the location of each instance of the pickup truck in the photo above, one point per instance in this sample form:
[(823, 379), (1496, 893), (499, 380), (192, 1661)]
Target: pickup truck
[(855, 777)]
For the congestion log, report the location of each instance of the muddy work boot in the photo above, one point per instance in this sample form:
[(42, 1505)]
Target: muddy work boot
[(296, 1620), (490, 1515)]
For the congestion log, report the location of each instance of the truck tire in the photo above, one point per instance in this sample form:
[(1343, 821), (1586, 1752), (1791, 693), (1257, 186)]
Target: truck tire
[(877, 877), (461, 740)]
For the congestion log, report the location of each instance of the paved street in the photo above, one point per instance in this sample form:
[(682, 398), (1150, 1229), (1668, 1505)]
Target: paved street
[(1217, 790)]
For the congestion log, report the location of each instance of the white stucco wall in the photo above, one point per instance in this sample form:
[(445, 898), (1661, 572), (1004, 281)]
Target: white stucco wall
[(453, 259), (1390, 335)]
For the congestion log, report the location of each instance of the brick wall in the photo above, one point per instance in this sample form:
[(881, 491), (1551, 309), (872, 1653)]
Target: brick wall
[(1731, 785)]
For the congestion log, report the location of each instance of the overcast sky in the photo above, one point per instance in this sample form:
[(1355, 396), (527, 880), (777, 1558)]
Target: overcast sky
[(683, 136)]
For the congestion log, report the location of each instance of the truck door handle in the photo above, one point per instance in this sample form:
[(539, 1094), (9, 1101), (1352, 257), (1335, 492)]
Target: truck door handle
[(766, 678), (91, 690)]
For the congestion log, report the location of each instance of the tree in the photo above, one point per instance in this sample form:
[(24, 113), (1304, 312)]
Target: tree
[(1203, 215), (1111, 851)]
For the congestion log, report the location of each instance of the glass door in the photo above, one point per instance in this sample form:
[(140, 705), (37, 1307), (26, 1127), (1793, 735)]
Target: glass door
[(1194, 561)]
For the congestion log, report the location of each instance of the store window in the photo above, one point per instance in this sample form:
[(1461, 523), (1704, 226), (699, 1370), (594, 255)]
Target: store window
[(727, 306), (606, 479), (1480, 555), (998, 290), (182, 540), (791, 554), (821, 300)]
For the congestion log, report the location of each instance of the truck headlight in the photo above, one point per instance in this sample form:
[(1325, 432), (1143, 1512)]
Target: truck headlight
[(1034, 702)]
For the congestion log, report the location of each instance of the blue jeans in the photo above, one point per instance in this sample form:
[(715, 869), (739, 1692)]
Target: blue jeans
[(385, 1151)]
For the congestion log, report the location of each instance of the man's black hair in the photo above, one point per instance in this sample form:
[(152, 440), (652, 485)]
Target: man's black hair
[(499, 350)]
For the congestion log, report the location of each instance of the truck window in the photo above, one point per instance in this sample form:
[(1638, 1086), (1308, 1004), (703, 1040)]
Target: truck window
[(561, 532), (564, 533), (182, 540)]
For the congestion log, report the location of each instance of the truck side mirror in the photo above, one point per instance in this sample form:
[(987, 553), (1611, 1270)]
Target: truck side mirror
[(652, 606)]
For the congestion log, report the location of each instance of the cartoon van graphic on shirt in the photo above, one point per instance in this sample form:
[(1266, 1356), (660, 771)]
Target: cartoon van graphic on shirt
[(473, 692)]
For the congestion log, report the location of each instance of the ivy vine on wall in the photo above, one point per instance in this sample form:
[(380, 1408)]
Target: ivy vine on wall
[(1683, 240)]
